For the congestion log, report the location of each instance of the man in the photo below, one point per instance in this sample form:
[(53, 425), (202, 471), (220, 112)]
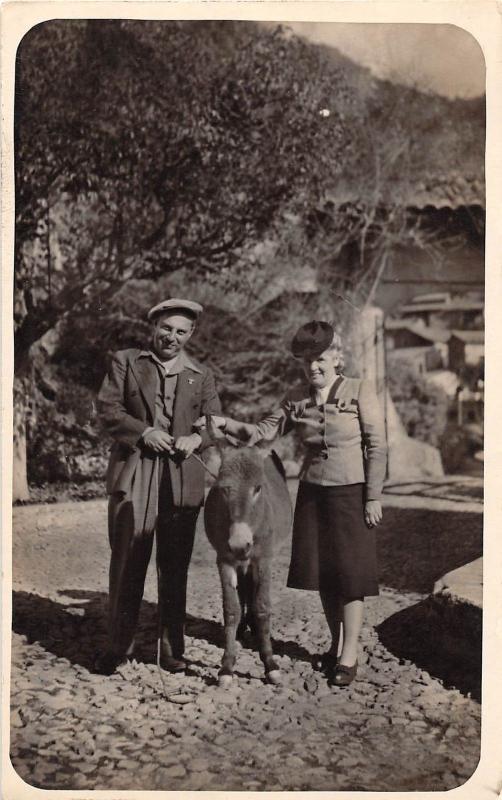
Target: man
[(148, 403)]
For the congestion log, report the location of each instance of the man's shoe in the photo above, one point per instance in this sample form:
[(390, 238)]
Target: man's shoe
[(171, 664), (106, 663), (326, 663), (344, 675)]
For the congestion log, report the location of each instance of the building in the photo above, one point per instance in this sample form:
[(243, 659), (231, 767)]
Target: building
[(466, 348), (470, 411), (442, 310), (425, 348)]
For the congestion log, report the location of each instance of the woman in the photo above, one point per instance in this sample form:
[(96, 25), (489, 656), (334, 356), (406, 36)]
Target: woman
[(338, 503)]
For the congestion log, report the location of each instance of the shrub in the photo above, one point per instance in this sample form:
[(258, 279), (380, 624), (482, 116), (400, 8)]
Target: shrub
[(61, 444), (455, 446), (422, 406)]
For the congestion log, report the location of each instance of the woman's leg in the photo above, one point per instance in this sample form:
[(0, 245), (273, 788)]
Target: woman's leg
[(333, 611), (352, 618)]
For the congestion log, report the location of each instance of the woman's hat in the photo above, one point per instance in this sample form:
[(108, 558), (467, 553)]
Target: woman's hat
[(187, 307), (312, 339)]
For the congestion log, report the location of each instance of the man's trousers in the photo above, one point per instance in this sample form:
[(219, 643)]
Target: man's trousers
[(131, 552)]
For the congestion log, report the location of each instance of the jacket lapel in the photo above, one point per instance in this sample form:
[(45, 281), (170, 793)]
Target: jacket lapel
[(334, 389), (146, 375), (187, 383)]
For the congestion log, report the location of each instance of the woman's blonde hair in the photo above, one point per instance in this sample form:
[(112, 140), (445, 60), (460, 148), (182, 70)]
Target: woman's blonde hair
[(336, 346)]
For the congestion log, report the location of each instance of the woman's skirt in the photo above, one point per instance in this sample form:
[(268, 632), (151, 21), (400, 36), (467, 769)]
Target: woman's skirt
[(333, 549)]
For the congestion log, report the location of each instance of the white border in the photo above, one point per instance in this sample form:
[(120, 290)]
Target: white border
[(481, 18)]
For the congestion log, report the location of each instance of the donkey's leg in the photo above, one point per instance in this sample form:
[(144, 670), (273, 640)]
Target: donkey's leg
[(231, 616), (245, 590), (261, 613)]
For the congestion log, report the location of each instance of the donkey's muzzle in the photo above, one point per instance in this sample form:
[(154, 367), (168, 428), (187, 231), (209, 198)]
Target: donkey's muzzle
[(240, 540)]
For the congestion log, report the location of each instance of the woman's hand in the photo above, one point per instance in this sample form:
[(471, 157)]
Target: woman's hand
[(372, 513), (218, 422)]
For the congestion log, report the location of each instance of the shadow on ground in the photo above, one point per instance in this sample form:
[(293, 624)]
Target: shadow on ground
[(464, 493), (76, 628), (418, 546), (444, 641)]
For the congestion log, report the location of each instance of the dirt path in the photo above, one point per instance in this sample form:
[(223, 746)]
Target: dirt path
[(397, 728)]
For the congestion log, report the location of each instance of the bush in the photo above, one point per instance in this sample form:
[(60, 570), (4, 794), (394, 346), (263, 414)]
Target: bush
[(422, 406), (87, 341), (454, 446), (61, 444), (460, 443)]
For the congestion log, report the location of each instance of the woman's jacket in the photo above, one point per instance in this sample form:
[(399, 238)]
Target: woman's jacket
[(345, 438)]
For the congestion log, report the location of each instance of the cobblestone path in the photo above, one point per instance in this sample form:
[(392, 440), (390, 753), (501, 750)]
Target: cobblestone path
[(397, 728)]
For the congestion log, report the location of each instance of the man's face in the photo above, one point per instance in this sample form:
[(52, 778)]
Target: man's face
[(170, 333)]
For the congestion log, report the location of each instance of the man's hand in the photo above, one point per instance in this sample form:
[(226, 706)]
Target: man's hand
[(372, 513), (186, 445), (218, 422), (158, 441)]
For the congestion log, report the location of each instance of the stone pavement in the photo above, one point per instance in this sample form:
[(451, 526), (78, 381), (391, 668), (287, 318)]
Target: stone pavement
[(407, 723), (463, 585)]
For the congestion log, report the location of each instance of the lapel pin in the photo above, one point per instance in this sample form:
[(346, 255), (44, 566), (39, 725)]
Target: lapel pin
[(190, 381)]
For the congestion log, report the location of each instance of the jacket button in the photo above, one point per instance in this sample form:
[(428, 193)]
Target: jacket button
[(324, 454)]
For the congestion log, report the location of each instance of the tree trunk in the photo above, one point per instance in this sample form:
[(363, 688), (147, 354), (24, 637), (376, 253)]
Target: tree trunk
[(20, 490)]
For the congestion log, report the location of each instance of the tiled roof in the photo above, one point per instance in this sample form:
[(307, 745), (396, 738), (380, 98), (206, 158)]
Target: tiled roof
[(442, 191), (450, 191), (452, 305), (432, 334), (470, 337)]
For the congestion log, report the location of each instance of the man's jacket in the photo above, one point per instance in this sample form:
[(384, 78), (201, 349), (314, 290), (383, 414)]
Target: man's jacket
[(126, 406)]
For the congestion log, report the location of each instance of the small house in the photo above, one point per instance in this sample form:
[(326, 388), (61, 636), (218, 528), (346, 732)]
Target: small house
[(441, 309), (424, 347), (465, 348)]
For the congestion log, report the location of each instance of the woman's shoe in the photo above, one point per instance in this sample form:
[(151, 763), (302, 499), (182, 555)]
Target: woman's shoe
[(344, 675)]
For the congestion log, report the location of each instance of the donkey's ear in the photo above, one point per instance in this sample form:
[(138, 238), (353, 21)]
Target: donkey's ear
[(264, 448)]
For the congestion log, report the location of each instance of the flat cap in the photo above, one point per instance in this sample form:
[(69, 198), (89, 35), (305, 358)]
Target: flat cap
[(187, 307), (312, 339)]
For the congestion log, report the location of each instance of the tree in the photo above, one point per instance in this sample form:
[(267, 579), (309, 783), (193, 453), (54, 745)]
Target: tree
[(133, 158), (162, 157)]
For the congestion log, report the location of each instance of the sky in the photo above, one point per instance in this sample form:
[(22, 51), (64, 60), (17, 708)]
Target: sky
[(440, 58)]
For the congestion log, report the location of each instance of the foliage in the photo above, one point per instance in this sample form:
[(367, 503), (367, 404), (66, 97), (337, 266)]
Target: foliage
[(62, 445), (422, 406), (155, 159), (134, 158), (458, 443), (472, 375)]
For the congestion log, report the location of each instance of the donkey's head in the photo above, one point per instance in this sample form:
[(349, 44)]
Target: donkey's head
[(240, 485), (238, 495)]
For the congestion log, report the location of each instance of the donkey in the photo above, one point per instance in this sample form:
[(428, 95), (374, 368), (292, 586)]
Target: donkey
[(247, 514)]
